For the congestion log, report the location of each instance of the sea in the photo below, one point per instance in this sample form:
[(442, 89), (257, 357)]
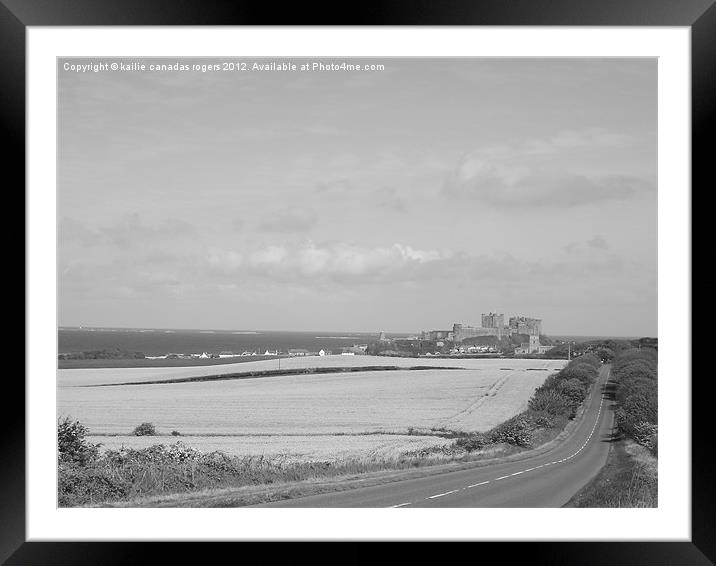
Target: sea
[(158, 342)]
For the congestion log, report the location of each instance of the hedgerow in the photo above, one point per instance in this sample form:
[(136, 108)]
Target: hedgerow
[(550, 407), (635, 373)]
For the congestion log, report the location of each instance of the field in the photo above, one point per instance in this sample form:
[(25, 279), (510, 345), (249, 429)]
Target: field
[(305, 416), (94, 376), (292, 448)]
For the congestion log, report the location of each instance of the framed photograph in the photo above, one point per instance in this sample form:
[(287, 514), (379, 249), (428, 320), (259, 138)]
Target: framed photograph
[(400, 278)]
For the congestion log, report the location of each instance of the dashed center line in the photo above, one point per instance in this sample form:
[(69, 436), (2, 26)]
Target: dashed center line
[(596, 422), (443, 494)]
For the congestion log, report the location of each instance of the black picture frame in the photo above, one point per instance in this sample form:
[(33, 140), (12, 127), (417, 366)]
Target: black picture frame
[(17, 15)]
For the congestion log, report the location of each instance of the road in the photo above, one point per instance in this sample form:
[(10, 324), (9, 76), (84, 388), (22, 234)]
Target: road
[(546, 480)]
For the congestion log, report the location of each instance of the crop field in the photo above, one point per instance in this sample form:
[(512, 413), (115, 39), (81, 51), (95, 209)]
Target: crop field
[(94, 376), (308, 415), (289, 448)]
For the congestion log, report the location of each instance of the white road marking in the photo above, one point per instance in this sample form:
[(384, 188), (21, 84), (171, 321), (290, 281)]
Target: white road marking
[(501, 478), (443, 494), (399, 505), (476, 484)]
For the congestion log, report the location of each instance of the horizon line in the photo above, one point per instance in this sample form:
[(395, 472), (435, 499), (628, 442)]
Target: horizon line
[(63, 327)]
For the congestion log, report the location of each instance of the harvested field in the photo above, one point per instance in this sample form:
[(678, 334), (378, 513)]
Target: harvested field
[(309, 416), (91, 376), (289, 448)]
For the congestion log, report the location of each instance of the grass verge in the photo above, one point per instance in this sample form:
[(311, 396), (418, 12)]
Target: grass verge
[(628, 479)]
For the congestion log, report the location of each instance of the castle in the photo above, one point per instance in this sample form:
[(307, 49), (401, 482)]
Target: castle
[(492, 324)]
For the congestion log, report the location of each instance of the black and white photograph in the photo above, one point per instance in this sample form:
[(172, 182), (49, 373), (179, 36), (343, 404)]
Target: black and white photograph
[(357, 282)]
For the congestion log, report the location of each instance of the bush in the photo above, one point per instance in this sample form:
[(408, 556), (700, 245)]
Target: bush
[(635, 372), (472, 442), (516, 431), (583, 372), (78, 485), (574, 390), (71, 444), (551, 401), (176, 433), (145, 429), (590, 359), (543, 420), (551, 382), (605, 354), (645, 434)]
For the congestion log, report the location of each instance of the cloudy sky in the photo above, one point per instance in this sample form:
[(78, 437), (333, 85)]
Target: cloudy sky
[(403, 199)]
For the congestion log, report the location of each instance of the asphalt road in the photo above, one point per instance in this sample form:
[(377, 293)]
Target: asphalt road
[(547, 480)]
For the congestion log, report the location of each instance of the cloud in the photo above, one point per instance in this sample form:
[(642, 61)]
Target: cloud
[(335, 186), (576, 139), (289, 221), (350, 265), (388, 198), (332, 261), (598, 243), (503, 182), (128, 231)]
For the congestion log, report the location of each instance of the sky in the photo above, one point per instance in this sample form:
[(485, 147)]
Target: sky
[(403, 199)]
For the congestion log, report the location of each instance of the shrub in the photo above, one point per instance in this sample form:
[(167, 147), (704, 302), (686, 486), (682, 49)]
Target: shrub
[(551, 382), (145, 429), (516, 431), (645, 434), (635, 372), (634, 369), (550, 401), (71, 444), (583, 372), (543, 420), (605, 354), (573, 389), (472, 442), (590, 359), (77, 485), (176, 433)]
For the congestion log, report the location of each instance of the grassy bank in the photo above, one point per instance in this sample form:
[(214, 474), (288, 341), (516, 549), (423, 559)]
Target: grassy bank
[(629, 479)]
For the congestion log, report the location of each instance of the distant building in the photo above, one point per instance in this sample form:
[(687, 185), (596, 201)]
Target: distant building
[(532, 347), (297, 352), (462, 332), (356, 349), (321, 352), (525, 325), (434, 335), (493, 320)]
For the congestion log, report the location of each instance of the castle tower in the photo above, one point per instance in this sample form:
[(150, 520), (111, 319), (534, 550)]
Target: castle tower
[(534, 343)]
